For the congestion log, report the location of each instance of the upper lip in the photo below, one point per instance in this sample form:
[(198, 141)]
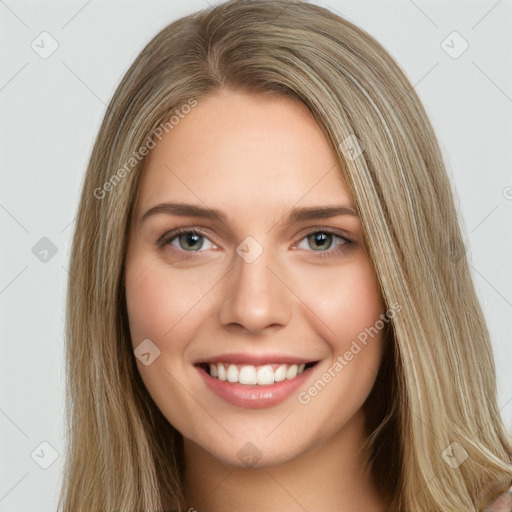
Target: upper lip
[(255, 359)]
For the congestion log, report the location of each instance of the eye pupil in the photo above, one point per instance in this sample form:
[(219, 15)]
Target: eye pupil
[(191, 238), (321, 238)]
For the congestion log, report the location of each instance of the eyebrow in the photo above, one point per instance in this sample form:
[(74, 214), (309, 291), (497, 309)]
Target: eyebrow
[(295, 215)]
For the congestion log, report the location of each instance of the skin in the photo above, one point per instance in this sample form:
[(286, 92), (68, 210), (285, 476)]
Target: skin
[(503, 503), (256, 158)]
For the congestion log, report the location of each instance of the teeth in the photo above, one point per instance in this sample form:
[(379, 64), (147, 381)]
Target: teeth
[(265, 375), (252, 375), (221, 371), (291, 372), (280, 373), (232, 373), (247, 375)]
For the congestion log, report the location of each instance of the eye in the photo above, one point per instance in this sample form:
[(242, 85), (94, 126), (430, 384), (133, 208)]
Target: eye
[(322, 241), (186, 239)]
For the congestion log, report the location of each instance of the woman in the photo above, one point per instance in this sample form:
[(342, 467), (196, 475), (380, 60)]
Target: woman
[(255, 371)]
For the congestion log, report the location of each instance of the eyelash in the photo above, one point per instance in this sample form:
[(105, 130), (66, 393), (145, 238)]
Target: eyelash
[(168, 237)]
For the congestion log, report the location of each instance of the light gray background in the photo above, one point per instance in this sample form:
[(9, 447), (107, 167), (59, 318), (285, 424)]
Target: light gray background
[(51, 110)]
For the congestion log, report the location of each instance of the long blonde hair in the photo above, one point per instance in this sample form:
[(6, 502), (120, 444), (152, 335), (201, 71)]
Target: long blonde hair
[(436, 385)]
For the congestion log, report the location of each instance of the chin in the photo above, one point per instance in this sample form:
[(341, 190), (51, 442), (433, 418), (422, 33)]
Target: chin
[(252, 455)]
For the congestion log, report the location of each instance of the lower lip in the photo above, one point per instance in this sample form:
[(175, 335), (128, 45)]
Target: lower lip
[(254, 397)]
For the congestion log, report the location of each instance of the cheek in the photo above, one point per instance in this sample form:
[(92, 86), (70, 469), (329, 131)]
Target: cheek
[(158, 310), (342, 302), (349, 306), (160, 302), (346, 309), (148, 303), (360, 326)]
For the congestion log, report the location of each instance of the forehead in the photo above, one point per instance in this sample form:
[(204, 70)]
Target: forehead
[(244, 149)]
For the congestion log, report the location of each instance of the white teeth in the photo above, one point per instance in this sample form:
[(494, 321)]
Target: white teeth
[(265, 375), (291, 372), (251, 375), (280, 373), (221, 372), (247, 375), (232, 373)]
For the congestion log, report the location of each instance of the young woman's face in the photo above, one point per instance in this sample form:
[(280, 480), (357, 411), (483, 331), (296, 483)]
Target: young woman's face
[(261, 287)]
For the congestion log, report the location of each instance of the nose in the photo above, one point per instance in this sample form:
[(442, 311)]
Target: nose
[(255, 295)]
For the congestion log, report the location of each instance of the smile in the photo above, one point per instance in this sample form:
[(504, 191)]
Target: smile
[(251, 375), (255, 386)]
